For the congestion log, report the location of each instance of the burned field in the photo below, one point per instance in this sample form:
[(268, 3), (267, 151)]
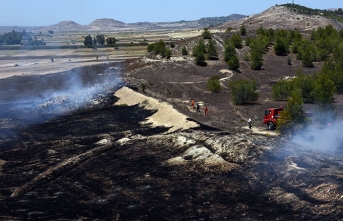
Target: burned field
[(62, 160)]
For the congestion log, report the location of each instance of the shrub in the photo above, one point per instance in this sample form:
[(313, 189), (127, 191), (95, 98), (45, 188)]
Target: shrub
[(243, 91), (213, 84), (206, 34), (233, 63), (282, 90), (184, 51)]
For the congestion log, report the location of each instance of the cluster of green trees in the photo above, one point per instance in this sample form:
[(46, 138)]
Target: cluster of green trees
[(318, 89), (322, 43), (230, 55), (202, 51), (20, 37), (99, 40), (160, 48)]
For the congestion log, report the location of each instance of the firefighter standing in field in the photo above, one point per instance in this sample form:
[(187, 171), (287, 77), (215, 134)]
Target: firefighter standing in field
[(250, 123), (206, 110)]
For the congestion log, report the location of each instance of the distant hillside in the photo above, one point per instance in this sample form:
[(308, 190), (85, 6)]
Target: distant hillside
[(66, 25), (108, 24), (280, 16), (104, 23), (213, 21)]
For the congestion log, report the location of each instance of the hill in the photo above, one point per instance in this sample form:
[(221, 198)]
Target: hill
[(282, 17), (108, 24), (66, 26)]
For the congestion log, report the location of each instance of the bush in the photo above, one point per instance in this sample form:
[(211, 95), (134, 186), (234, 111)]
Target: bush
[(213, 84), (212, 52), (184, 51), (206, 34), (243, 30), (282, 90), (199, 53), (243, 91), (233, 63)]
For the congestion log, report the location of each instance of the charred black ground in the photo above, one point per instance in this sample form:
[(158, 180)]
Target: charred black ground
[(105, 180)]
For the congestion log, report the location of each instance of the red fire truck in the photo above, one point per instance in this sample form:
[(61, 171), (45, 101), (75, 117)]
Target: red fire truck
[(271, 115)]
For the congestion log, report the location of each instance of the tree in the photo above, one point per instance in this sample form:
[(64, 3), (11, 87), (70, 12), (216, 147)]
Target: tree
[(206, 34), (199, 53), (229, 29), (256, 59), (307, 53), (233, 63), (94, 41), (160, 48), (168, 53), (212, 52), (184, 51), (111, 41), (243, 91), (236, 40), (151, 47), (281, 47), (229, 50), (292, 117), (100, 39), (243, 30), (324, 90), (213, 84), (51, 32), (282, 90), (305, 85), (88, 42)]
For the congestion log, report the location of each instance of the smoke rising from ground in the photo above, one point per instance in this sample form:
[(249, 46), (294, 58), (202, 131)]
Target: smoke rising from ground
[(327, 138), (46, 97)]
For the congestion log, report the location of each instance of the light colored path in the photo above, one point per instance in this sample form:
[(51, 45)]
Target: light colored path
[(165, 116)]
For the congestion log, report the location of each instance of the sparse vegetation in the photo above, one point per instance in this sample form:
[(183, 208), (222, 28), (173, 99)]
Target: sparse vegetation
[(160, 48)]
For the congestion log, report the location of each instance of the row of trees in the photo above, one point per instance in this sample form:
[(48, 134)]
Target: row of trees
[(99, 40), (20, 37)]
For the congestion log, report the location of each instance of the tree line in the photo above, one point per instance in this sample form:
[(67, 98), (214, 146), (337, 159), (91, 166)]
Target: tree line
[(20, 38), (99, 40)]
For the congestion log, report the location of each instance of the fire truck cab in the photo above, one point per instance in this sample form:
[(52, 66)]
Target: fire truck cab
[(270, 117)]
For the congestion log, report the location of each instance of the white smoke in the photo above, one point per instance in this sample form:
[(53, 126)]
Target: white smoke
[(324, 138)]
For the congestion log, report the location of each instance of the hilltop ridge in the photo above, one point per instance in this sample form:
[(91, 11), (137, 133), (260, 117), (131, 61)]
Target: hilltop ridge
[(280, 16)]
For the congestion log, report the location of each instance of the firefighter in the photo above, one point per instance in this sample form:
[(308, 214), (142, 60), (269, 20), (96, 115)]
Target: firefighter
[(206, 110), (192, 104), (250, 123), (198, 108)]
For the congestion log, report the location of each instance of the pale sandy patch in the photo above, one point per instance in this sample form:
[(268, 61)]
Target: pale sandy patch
[(165, 116)]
